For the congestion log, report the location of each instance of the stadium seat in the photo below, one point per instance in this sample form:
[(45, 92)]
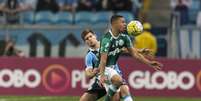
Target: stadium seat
[(44, 17), (64, 18), (102, 18), (27, 17), (127, 15), (84, 18)]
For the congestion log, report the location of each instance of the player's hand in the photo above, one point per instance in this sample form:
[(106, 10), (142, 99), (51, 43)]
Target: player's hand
[(156, 65), (95, 70), (103, 79)]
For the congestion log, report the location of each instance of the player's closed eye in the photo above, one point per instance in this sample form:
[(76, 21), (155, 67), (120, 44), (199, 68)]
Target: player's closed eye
[(88, 37)]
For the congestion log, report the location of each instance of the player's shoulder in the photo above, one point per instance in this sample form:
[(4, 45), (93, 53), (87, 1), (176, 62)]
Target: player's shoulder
[(106, 37), (124, 35), (89, 56), (92, 52), (89, 53)]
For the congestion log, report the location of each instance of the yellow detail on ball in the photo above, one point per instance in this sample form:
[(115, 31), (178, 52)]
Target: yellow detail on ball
[(134, 28)]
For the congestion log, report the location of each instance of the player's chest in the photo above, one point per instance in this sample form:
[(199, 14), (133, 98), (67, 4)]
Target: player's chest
[(117, 43)]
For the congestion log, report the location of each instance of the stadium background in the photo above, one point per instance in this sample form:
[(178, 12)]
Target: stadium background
[(52, 66)]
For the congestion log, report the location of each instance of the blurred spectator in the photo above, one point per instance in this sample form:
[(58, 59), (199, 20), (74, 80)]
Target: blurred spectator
[(120, 5), (11, 9), (137, 5), (174, 3), (182, 9), (30, 4), (47, 5), (2, 18), (102, 5), (1, 13), (146, 5), (67, 5), (87, 5), (146, 39), (144, 10), (11, 50)]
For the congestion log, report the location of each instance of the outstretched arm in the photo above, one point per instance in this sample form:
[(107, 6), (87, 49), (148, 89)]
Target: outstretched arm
[(135, 54), (143, 51)]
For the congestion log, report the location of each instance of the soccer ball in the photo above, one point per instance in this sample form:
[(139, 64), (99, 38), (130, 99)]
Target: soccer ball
[(134, 28)]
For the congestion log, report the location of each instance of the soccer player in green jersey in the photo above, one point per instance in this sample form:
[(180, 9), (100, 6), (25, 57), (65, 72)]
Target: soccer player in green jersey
[(97, 91), (110, 49)]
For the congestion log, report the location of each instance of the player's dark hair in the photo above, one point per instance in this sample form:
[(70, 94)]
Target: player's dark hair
[(115, 18), (85, 32)]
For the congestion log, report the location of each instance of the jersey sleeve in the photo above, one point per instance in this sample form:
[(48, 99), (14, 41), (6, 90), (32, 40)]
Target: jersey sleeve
[(128, 42), (105, 45), (89, 61)]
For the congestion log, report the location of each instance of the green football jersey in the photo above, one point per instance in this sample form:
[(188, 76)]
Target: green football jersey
[(113, 46)]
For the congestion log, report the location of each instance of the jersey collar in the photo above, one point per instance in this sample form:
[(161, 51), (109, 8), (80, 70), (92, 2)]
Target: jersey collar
[(93, 49), (110, 31)]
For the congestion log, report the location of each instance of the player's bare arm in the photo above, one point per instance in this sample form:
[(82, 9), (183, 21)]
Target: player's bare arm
[(102, 65), (156, 65), (145, 52)]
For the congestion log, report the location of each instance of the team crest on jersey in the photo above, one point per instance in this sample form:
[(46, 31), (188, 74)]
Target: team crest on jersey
[(121, 42)]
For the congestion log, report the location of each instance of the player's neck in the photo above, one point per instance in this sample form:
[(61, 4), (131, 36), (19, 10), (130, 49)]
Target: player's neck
[(97, 46), (115, 32)]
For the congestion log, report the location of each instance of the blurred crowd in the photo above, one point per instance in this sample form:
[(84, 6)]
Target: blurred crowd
[(189, 11), (66, 5), (12, 8)]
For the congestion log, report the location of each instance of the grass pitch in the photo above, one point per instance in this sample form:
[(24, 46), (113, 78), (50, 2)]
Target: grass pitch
[(68, 98)]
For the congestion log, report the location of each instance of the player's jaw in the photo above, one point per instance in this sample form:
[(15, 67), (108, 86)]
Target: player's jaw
[(122, 25), (92, 42), (122, 28), (92, 45)]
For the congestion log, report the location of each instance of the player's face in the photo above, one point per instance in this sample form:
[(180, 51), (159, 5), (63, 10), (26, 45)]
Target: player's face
[(121, 24), (90, 39)]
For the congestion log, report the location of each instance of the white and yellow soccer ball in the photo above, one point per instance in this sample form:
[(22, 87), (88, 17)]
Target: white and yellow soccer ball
[(134, 28)]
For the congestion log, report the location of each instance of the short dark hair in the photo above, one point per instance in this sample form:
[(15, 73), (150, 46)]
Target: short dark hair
[(114, 18), (85, 32)]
